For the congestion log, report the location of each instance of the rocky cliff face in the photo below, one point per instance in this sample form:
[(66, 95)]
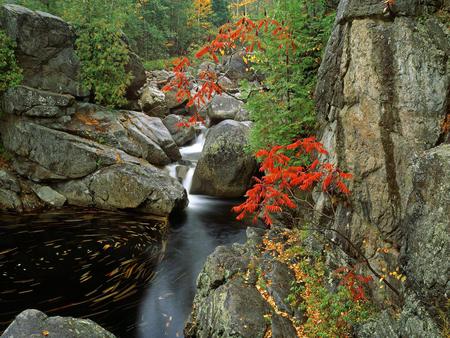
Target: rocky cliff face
[(383, 98), (64, 151)]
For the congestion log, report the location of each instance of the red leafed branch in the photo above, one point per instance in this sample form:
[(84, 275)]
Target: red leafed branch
[(245, 34), (354, 282), (273, 193)]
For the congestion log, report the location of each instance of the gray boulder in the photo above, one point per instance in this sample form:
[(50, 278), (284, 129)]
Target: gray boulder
[(46, 52), (181, 135), (33, 323), (223, 107), (133, 132), (224, 168), (49, 196), (227, 302), (413, 322), (65, 155), (235, 68), (45, 49), (127, 186), (153, 102), (227, 85), (171, 99), (137, 71)]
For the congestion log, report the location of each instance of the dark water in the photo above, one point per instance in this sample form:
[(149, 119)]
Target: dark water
[(119, 269)]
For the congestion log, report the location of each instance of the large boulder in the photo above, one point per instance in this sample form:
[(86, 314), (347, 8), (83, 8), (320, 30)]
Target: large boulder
[(223, 107), (412, 322), (137, 71), (153, 101), (382, 96), (126, 186), (236, 67), (181, 134), (225, 168), (34, 323), (228, 303), (9, 191), (45, 49)]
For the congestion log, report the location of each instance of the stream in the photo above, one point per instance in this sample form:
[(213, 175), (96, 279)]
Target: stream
[(131, 273)]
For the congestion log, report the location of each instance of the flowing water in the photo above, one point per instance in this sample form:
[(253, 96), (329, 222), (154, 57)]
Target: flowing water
[(131, 273)]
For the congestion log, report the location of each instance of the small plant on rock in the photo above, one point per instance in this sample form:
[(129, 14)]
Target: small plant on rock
[(10, 72)]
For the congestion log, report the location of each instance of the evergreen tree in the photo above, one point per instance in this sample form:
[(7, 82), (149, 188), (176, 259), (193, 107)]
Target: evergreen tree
[(221, 12)]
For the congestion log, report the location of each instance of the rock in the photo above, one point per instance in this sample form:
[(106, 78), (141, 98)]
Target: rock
[(227, 85), (209, 66), (137, 71), (171, 99), (226, 313), (49, 196), (33, 323), (127, 186), (223, 107), (181, 135), (242, 115), (9, 181), (427, 227), (236, 69), (133, 132), (224, 168), (160, 77), (356, 9), (62, 154), (32, 102), (382, 95), (153, 102), (414, 322), (46, 52), (45, 49), (227, 302)]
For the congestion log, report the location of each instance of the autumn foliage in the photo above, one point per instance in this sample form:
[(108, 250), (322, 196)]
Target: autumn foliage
[(353, 282), (244, 34), (275, 191)]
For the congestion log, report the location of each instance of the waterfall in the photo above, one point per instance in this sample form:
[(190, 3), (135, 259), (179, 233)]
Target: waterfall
[(189, 158)]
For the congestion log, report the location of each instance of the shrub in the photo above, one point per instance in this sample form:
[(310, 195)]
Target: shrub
[(10, 73), (104, 55)]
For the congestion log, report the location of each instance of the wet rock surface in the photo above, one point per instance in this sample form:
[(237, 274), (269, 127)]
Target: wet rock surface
[(33, 323)]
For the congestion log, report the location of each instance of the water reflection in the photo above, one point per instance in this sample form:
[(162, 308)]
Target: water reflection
[(118, 269), (79, 263)]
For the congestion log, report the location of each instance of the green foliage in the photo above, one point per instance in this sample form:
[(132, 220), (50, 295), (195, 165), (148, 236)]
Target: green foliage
[(221, 12), (10, 73), (103, 56), (283, 109), (331, 313)]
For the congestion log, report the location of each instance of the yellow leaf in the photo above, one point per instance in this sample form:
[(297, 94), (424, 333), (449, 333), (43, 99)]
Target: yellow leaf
[(45, 333)]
